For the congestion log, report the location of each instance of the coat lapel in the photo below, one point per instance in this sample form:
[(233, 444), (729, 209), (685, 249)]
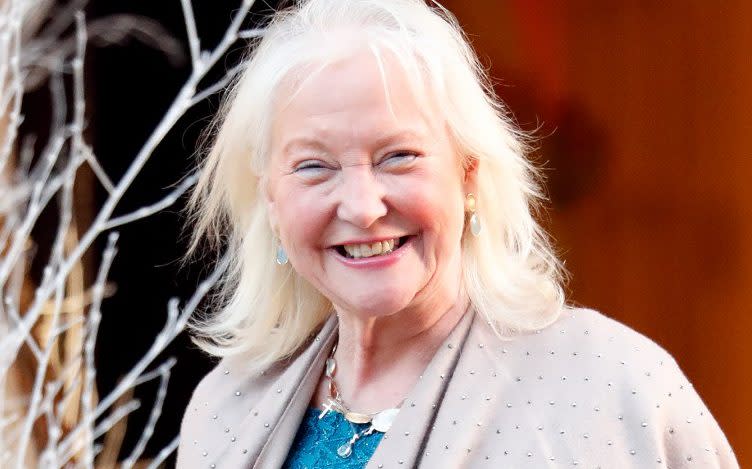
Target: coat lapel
[(403, 444), (279, 405), (301, 386), (277, 402)]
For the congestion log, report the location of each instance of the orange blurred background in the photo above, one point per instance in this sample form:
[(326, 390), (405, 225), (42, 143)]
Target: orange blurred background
[(644, 113)]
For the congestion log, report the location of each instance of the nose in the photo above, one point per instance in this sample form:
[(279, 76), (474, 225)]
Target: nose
[(361, 196)]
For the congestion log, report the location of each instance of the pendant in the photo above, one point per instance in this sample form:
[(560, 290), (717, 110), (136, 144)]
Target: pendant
[(344, 451), (281, 257), (475, 224), (382, 421), (327, 408), (331, 366)]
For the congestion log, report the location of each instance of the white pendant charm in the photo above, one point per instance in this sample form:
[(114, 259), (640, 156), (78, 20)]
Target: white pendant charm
[(382, 422), (327, 408), (475, 224), (331, 365)]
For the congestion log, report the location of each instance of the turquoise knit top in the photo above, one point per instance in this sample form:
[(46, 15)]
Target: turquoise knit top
[(317, 440)]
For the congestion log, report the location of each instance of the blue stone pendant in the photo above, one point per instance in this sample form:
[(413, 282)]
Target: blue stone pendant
[(281, 256)]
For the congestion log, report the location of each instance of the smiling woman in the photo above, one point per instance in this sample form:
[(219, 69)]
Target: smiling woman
[(413, 295), (382, 168)]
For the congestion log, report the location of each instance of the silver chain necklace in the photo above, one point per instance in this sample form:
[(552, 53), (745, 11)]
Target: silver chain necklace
[(380, 421)]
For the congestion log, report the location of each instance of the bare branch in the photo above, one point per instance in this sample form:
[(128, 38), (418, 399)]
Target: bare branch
[(190, 26), (251, 33), (174, 325), (50, 316), (164, 454), (12, 312), (156, 411), (97, 168), (149, 210), (47, 54), (218, 86)]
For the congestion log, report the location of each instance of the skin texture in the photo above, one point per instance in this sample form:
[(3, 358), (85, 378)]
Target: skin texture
[(351, 162)]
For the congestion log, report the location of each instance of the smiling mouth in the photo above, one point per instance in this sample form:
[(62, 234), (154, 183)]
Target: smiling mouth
[(362, 250)]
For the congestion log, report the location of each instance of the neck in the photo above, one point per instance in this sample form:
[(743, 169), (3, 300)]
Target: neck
[(380, 359)]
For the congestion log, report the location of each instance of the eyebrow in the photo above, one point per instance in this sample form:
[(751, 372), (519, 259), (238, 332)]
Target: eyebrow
[(303, 142), (381, 141)]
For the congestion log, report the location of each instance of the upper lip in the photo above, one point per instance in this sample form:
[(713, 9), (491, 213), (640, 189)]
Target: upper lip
[(367, 240)]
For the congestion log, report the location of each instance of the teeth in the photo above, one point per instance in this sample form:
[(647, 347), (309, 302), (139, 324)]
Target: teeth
[(365, 250), (369, 250)]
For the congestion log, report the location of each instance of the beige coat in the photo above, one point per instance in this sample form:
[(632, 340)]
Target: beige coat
[(585, 391)]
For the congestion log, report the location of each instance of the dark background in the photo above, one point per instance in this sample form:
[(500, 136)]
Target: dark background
[(130, 87)]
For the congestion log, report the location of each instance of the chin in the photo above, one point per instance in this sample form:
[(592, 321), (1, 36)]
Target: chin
[(377, 304)]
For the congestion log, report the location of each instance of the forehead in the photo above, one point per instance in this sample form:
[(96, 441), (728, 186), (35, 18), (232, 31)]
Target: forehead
[(360, 92)]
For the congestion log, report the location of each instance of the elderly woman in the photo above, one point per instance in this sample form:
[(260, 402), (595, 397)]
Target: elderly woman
[(391, 300)]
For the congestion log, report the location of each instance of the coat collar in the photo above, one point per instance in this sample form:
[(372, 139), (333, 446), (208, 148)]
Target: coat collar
[(297, 384)]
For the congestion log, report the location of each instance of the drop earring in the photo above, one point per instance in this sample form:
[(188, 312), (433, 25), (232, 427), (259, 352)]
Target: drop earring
[(281, 257), (474, 218)]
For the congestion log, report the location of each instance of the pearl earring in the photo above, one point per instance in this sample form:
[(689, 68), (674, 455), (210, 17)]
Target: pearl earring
[(281, 257), (474, 218)]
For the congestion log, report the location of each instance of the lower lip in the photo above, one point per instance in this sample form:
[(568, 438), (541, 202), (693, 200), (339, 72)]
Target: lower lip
[(375, 262)]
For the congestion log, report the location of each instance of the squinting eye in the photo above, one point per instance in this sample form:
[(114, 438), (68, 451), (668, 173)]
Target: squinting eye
[(309, 167), (400, 157)]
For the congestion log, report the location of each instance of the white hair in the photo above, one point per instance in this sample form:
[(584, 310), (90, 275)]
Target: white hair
[(510, 272)]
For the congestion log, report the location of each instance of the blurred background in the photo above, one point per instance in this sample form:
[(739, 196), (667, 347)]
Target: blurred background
[(645, 117), (642, 110)]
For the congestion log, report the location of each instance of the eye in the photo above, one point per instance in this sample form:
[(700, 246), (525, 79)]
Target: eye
[(309, 166), (398, 158), (312, 171)]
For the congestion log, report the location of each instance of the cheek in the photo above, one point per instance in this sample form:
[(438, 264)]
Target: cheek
[(302, 218), (436, 201)]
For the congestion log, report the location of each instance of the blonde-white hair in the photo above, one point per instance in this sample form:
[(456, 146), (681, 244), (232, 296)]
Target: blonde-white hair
[(267, 311)]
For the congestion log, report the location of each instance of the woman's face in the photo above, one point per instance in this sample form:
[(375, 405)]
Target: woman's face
[(365, 191)]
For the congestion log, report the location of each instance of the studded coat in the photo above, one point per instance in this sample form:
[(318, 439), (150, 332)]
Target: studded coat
[(586, 391)]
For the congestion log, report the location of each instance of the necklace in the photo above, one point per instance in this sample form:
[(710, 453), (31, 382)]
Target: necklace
[(380, 421)]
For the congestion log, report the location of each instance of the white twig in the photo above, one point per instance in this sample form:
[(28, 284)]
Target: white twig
[(220, 85), (174, 325), (181, 103), (251, 33), (99, 172), (46, 54), (16, 90), (117, 414), (149, 210), (190, 25), (164, 454), (156, 411), (95, 315), (25, 191), (12, 312)]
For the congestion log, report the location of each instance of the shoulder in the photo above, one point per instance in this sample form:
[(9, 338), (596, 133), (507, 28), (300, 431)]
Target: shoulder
[(591, 330), (212, 396), (233, 392), (584, 340), (597, 370)]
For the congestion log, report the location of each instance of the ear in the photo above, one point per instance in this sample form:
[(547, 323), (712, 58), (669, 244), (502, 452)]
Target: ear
[(470, 168)]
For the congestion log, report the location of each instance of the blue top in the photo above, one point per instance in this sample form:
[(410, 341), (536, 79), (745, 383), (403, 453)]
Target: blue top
[(317, 440)]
